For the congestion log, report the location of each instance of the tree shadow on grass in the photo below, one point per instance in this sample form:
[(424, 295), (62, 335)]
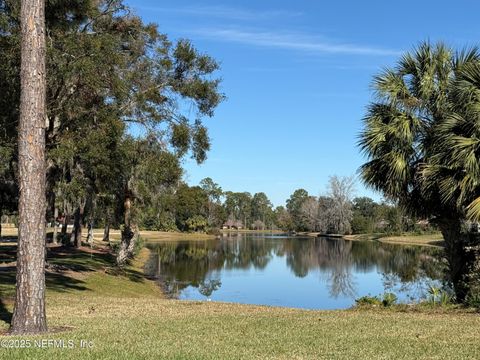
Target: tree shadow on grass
[(5, 314), (69, 258), (132, 274), (8, 252), (54, 281)]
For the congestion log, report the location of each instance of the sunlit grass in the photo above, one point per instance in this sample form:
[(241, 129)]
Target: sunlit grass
[(148, 327), (435, 239)]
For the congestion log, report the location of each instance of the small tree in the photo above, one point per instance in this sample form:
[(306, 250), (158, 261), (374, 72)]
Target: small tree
[(197, 223)]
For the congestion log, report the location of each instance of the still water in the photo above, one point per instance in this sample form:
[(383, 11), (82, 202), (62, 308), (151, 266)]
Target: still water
[(311, 273)]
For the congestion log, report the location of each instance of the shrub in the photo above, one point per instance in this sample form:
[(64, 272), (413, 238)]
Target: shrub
[(368, 301), (473, 300), (389, 299), (445, 298)]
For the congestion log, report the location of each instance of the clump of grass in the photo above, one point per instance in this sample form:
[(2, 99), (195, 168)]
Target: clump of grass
[(387, 300), (473, 300), (368, 301)]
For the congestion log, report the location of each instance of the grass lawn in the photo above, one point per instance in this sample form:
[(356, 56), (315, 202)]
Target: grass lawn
[(126, 317), (435, 239), (425, 240)]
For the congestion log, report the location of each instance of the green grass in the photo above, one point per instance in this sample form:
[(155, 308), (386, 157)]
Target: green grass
[(424, 239), (152, 328), (435, 239), (126, 317)]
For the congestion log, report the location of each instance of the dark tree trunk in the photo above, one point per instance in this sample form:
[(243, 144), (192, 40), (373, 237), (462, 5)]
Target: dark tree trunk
[(66, 221), (29, 313), (55, 232), (456, 256), (77, 226), (90, 237), (1, 215), (106, 231)]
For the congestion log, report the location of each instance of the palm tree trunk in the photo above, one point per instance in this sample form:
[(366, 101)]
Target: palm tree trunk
[(29, 313), (456, 256)]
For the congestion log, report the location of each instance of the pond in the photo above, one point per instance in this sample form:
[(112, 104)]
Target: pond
[(310, 273)]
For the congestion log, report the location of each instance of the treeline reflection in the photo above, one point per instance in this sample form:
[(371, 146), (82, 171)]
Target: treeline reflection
[(178, 265)]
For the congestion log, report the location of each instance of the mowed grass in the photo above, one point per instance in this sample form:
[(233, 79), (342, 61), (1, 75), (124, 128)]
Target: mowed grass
[(151, 328), (425, 240), (435, 239), (125, 316)]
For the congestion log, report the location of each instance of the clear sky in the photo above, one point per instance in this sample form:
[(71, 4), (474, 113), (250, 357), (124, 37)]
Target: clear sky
[(297, 75)]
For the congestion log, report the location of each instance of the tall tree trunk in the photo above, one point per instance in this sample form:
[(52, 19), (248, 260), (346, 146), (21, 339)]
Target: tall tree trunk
[(90, 232), (55, 232), (129, 234), (77, 226), (29, 313), (66, 220), (106, 231), (456, 256), (1, 216)]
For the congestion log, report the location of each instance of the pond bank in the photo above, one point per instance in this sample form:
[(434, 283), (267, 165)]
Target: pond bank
[(435, 240)]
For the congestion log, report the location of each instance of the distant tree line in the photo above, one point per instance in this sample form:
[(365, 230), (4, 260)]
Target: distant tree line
[(206, 207)]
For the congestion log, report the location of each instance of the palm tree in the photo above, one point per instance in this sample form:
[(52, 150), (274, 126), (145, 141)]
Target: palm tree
[(408, 138)]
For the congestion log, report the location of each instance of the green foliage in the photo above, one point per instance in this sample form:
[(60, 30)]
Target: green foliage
[(389, 299), (139, 245), (473, 300), (368, 301), (191, 202), (421, 139), (445, 298), (434, 293), (196, 223), (294, 208)]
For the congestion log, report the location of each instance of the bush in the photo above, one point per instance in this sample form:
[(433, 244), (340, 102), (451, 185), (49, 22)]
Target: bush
[(64, 239), (389, 299), (196, 223), (445, 298), (473, 300), (368, 301)]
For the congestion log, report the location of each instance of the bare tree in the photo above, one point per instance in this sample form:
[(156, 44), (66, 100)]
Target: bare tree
[(310, 213), (341, 190), (29, 314)]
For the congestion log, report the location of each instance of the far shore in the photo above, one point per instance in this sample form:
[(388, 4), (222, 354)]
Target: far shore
[(434, 240)]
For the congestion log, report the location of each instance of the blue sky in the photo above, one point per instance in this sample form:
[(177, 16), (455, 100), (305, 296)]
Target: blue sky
[(297, 75)]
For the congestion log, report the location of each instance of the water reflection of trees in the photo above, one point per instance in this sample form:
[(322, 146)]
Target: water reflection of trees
[(181, 264)]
